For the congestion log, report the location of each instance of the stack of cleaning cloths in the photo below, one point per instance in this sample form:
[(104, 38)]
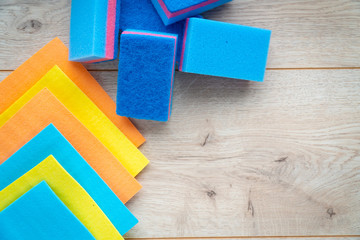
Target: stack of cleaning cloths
[(157, 36), (67, 161)]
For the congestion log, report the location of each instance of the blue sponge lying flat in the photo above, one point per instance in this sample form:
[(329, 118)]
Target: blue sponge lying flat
[(39, 214), (94, 29), (51, 142), (225, 50), (172, 11), (141, 15), (146, 72)]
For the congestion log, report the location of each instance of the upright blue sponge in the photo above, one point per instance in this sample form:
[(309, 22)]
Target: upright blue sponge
[(225, 50), (146, 71), (88, 30), (39, 214), (141, 15), (51, 142)]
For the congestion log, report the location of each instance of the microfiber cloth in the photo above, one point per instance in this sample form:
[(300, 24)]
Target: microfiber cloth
[(87, 112), (70, 193), (45, 109), (145, 85), (88, 30), (50, 142), (56, 53), (225, 50), (172, 11), (40, 215), (141, 15)]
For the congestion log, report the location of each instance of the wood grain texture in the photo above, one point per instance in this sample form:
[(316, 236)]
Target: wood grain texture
[(248, 159), (237, 158), (306, 33), (279, 158)]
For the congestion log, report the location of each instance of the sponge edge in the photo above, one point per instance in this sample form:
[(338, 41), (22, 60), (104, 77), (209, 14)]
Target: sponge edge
[(88, 38), (172, 11), (241, 52), (94, 40), (112, 32), (141, 15), (145, 85)]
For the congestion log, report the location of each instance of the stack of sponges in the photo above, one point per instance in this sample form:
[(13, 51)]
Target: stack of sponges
[(151, 31), (67, 161)]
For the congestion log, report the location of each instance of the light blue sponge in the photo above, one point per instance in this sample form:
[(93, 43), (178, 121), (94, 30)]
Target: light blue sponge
[(51, 142), (172, 11), (88, 30), (40, 215), (225, 50)]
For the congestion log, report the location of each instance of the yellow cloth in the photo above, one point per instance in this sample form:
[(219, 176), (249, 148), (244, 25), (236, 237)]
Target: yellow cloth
[(68, 190), (87, 113)]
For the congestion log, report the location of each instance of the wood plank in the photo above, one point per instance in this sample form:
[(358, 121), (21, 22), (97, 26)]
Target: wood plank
[(255, 238), (277, 158), (306, 33), (239, 158)]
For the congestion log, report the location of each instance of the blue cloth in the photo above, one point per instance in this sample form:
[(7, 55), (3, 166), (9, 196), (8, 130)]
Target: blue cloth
[(40, 215), (146, 70), (51, 142), (225, 50)]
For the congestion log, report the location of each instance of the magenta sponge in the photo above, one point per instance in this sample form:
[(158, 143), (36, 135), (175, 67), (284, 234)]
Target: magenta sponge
[(146, 72)]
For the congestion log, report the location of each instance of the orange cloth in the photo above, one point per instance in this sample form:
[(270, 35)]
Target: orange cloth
[(88, 114), (44, 109), (56, 53)]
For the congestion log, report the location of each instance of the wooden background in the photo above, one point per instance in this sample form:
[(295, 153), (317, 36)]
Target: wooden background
[(242, 159)]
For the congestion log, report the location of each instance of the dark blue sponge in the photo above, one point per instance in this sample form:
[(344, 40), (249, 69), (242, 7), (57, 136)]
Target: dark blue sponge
[(141, 15), (146, 72)]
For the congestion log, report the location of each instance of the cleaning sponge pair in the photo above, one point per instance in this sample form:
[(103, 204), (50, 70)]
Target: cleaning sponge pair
[(209, 47)]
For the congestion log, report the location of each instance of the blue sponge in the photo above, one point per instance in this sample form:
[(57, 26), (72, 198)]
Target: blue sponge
[(146, 72), (172, 11), (39, 214), (225, 50), (117, 29), (141, 15), (96, 38), (51, 142), (88, 30)]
